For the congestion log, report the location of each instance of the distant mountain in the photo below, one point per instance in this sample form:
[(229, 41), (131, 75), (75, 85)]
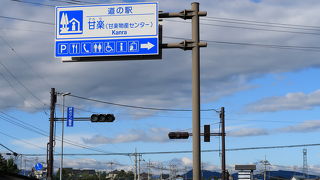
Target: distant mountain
[(283, 174), (270, 174), (205, 173)]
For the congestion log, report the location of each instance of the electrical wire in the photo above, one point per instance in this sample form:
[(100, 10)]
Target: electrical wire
[(260, 22), (11, 47), (69, 2), (20, 140), (302, 48), (275, 46), (37, 130), (184, 152), (26, 20), (76, 2), (136, 107), (265, 25), (249, 28), (34, 3), (22, 84), (20, 94), (225, 20)]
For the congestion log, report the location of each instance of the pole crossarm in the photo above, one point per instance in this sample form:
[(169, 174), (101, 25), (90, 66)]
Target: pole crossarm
[(211, 134), (74, 119), (185, 14), (185, 45)]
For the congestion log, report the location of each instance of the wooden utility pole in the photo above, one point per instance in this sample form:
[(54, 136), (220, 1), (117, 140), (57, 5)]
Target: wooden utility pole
[(223, 135), (53, 100)]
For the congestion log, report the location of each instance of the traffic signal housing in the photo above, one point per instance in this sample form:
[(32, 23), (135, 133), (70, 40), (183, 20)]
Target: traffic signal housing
[(178, 135), (102, 118), (206, 133)]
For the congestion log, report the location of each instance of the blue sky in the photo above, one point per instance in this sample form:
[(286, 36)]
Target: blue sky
[(271, 95)]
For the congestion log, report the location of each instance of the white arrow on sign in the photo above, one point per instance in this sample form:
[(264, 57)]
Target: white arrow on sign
[(147, 46)]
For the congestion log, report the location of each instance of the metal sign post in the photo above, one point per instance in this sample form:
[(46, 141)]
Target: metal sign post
[(193, 45)]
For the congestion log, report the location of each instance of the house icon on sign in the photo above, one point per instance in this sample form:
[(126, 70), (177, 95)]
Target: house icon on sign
[(73, 26)]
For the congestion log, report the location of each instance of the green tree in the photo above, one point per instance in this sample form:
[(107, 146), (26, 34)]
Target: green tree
[(66, 174), (3, 164), (8, 166), (12, 167)]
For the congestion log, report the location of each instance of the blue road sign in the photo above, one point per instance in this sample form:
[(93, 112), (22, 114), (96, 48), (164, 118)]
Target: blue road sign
[(70, 116), (38, 166), (107, 30)]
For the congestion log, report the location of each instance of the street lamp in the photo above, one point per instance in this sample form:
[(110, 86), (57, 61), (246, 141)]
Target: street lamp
[(62, 131)]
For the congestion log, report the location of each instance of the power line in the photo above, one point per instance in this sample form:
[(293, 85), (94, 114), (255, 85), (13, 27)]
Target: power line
[(261, 22), (132, 114), (23, 85), (135, 107), (69, 2), (20, 94), (37, 130), (75, 2), (8, 149), (27, 20), (265, 25), (23, 60), (225, 20), (250, 28), (275, 46), (183, 152), (34, 3), (25, 142), (302, 48)]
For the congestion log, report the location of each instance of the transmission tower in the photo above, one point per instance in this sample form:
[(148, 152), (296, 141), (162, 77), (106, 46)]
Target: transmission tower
[(305, 163)]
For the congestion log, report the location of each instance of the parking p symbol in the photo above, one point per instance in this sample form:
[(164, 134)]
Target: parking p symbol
[(63, 48)]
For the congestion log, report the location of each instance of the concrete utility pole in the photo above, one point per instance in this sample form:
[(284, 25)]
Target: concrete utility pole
[(266, 163), (196, 93), (53, 100), (139, 167), (135, 165), (161, 171), (149, 169), (173, 171), (193, 45)]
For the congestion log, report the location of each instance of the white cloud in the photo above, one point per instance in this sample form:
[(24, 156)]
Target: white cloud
[(186, 161), (134, 135), (291, 101), (248, 132), (159, 83), (69, 141), (306, 126)]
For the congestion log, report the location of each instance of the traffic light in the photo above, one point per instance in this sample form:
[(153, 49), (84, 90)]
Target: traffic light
[(206, 133), (102, 118), (178, 135)]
